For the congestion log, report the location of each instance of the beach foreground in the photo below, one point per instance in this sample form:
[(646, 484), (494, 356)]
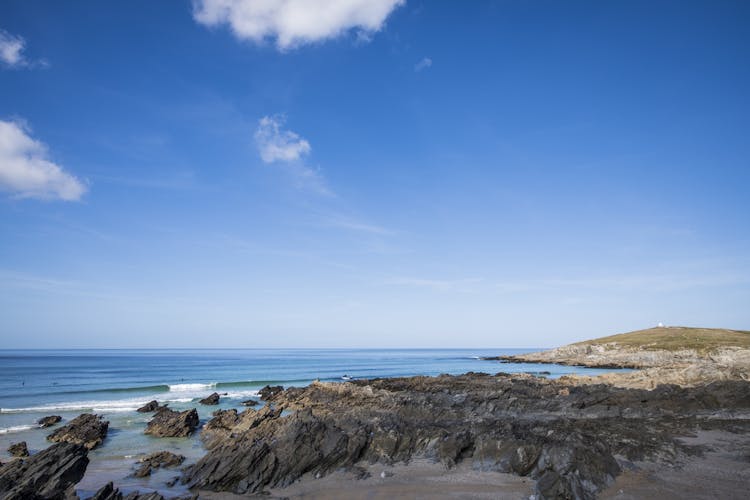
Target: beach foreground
[(454, 436)]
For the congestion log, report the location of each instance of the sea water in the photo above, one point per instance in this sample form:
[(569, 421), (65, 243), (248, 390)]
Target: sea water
[(114, 383)]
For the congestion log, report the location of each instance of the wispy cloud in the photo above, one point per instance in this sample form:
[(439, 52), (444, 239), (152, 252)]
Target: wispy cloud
[(286, 149), (353, 224), (465, 285), (277, 144), (644, 282), (12, 52), (27, 172), (293, 23), (423, 64)]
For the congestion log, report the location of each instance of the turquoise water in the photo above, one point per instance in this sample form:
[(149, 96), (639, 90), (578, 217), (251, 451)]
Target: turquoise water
[(114, 383)]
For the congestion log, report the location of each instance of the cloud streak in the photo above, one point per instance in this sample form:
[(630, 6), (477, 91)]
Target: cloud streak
[(27, 172), (11, 52), (423, 64), (11, 49), (293, 23), (286, 149)]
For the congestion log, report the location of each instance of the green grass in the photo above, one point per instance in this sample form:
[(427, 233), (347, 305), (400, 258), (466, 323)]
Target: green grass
[(674, 338)]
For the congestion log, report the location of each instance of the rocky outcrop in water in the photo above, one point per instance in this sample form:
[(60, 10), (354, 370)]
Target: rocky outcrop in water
[(86, 429), (157, 460), (150, 407), (49, 421), (171, 423), (48, 475), (18, 449), (249, 402), (268, 392), (211, 400), (570, 439)]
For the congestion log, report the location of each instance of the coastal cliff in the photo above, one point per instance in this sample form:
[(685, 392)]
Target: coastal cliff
[(663, 355)]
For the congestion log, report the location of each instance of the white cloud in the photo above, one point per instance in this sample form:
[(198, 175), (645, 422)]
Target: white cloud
[(276, 144), (286, 149), (26, 171), (423, 64), (292, 23), (11, 49)]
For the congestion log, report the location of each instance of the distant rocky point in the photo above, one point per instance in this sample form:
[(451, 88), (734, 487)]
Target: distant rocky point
[(666, 354)]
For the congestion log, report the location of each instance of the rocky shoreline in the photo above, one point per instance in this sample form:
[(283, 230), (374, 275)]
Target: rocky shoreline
[(573, 437), (662, 355)]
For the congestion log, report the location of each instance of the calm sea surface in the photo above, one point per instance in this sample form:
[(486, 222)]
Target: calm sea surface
[(114, 383)]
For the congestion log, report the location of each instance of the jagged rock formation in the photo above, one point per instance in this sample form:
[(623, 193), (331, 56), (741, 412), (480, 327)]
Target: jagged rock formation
[(18, 449), (171, 423), (49, 475), (156, 460), (109, 492), (86, 429), (213, 399), (566, 437), (49, 421), (269, 391), (150, 407)]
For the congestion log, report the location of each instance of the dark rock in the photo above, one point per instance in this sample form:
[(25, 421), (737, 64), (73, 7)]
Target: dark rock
[(225, 422), (171, 423), (86, 429), (150, 407), (50, 474), (564, 436), (18, 449), (49, 421), (269, 392), (249, 402), (156, 460), (109, 492), (213, 399)]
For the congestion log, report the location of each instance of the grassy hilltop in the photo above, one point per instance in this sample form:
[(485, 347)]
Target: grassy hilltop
[(674, 338)]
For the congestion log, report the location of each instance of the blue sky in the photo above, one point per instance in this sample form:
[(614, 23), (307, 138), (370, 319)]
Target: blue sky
[(376, 173)]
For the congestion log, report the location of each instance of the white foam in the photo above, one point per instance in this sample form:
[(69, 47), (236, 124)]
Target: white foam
[(242, 394), (17, 428), (191, 387)]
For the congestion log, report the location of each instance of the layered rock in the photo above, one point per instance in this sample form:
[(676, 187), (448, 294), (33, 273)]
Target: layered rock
[(86, 429), (567, 437), (157, 460), (171, 423), (49, 421), (50, 474), (109, 492)]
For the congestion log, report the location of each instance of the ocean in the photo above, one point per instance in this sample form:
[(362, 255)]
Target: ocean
[(114, 383)]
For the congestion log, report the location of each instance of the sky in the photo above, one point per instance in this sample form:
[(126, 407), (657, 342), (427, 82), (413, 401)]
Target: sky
[(371, 173)]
